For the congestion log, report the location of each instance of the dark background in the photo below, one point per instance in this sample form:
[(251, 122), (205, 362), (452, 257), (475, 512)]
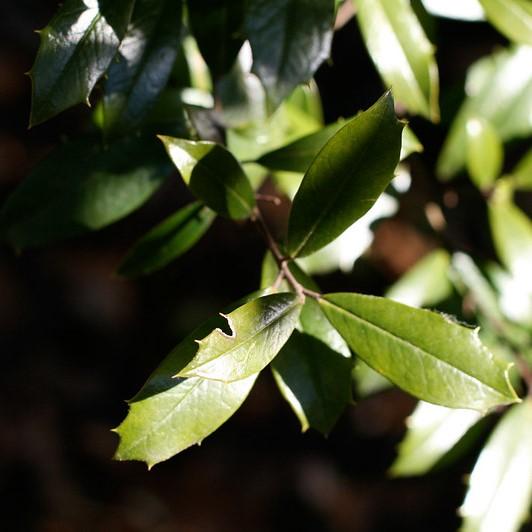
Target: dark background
[(75, 341)]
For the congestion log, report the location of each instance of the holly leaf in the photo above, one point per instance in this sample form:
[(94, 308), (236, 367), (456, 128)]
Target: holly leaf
[(213, 175), (258, 330), (345, 179), (75, 50), (423, 352)]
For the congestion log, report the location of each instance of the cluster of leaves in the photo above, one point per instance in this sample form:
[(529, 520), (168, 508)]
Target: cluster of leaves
[(220, 83)]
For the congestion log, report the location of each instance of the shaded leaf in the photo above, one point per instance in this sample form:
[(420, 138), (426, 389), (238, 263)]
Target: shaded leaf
[(213, 175), (513, 18), (348, 175), (168, 240), (421, 351), (314, 379), (258, 331), (76, 49), (485, 153), (402, 53), (432, 431), (82, 186), (426, 283), (289, 39), (143, 63), (500, 486), (487, 82)]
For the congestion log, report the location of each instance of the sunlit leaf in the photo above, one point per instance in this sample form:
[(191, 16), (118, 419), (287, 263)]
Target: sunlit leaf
[(82, 186), (426, 283), (258, 330), (314, 379), (485, 153), (463, 10), (213, 175), (348, 175), (168, 240), (76, 48), (432, 431), (410, 143), (402, 53), (500, 487), (522, 173), (143, 64), (289, 39), (513, 18), (504, 77), (423, 352)]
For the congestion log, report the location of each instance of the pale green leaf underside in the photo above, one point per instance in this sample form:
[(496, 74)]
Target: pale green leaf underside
[(500, 487), (423, 352), (258, 331), (513, 18)]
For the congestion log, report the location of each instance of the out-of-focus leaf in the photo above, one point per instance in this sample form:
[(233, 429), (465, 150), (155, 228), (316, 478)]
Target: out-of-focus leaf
[(513, 18), (170, 414), (432, 431), (345, 179), (217, 27), (213, 175), (421, 351), (504, 77), (314, 379), (76, 49), (258, 331), (402, 53), (168, 240), (500, 487), (290, 39), (463, 10), (410, 143), (485, 153), (82, 186), (512, 235), (367, 380), (522, 173), (143, 63), (425, 284)]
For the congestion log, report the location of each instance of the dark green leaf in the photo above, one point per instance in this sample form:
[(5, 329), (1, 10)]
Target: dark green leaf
[(513, 18), (314, 379), (402, 53), (346, 178), (143, 64), (258, 331), (168, 240), (433, 431), (289, 39), (76, 49), (423, 352), (217, 27), (213, 175), (500, 486), (83, 186)]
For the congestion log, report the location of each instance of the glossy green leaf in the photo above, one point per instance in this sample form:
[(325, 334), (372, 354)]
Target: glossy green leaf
[(522, 174), (213, 175), (513, 18), (345, 179), (426, 283), (297, 155), (485, 153), (168, 240), (143, 64), (314, 379), (512, 235), (76, 48), (170, 414), (402, 53), (217, 27), (289, 39), (258, 330), (500, 487), (83, 186), (423, 352), (504, 77), (432, 431)]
